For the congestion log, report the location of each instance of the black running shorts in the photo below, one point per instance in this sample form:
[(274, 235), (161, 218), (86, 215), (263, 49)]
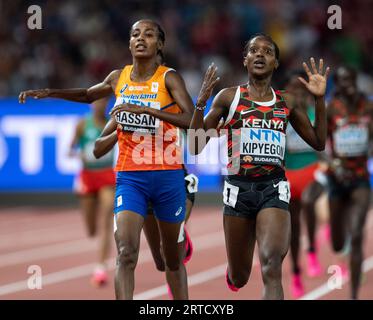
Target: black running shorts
[(342, 189), (244, 198)]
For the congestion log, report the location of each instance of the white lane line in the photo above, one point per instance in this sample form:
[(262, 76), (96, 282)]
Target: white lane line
[(74, 247), (216, 272), (193, 280), (37, 236), (46, 252), (204, 242), (35, 220), (64, 275), (325, 289)]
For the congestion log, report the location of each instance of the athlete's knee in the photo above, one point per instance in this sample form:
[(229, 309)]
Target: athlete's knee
[(159, 260), (271, 266), (172, 264), (160, 265), (127, 256)]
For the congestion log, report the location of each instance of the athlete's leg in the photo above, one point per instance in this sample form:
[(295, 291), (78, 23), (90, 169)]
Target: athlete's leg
[(127, 237), (188, 209), (188, 245), (168, 199), (360, 200), (273, 235), (296, 287), (152, 235), (338, 211), (153, 238), (240, 243), (105, 197), (309, 197), (295, 209), (173, 251), (88, 204)]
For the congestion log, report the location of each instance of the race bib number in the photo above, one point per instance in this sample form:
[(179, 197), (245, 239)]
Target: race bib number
[(230, 194), (294, 143), (143, 123), (262, 146), (192, 183), (284, 191), (351, 140)]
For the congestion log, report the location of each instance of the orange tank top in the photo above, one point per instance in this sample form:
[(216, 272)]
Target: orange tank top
[(147, 143)]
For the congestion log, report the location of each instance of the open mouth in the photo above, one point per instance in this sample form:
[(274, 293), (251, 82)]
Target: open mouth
[(259, 64), (140, 46)]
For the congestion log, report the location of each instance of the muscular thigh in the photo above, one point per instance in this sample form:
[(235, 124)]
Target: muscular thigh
[(273, 229), (239, 240), (127, 228), (360, 201)]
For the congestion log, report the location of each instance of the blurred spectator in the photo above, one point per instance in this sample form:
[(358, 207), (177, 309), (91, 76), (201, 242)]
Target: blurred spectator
[(82, 41)]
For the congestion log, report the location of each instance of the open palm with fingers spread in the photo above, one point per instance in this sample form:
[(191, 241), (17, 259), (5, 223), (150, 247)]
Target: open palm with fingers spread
[(317, 78)]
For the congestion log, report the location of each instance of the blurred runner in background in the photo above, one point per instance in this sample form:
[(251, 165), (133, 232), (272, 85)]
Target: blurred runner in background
[(95, 184)]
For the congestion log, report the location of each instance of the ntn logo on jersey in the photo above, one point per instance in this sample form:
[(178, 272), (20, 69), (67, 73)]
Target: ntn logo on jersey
[(264, 135)]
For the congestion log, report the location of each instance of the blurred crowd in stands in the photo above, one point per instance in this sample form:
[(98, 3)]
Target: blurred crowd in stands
[(82, 41)]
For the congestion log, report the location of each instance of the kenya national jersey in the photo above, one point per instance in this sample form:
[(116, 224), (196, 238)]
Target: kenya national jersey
[(256, 134)]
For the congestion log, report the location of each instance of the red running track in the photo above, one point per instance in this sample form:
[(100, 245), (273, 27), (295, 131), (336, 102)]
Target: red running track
[(55, 240)]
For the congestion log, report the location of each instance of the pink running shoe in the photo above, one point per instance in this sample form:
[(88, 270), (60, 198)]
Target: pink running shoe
[(188, 247), (297, 289), (99, 278), (345, 270), (313, 267), (229, 284)]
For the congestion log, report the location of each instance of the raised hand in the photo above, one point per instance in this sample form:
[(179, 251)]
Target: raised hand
[(36, 94), (208, 85), (317, 78)]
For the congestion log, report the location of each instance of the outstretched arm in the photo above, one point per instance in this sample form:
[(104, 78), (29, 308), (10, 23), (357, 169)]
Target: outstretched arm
[(85, 95), (107, 140), (315, 135)]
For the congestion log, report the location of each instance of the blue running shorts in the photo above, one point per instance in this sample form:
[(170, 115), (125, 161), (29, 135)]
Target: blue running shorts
[(165, 189)]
